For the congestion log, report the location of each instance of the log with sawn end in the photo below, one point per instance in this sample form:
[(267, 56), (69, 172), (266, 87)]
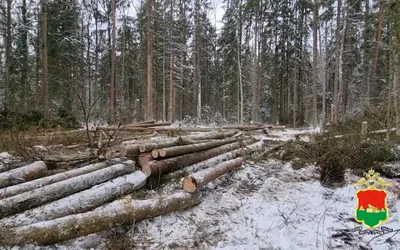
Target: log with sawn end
[(115, 214), (30, 185), (241, 152), (144, 159), (185, 149), (40, 196), (22, 174), (199, 179), (155, 167), (80, 202)]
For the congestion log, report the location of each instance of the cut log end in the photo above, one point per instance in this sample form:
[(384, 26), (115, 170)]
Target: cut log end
[(162, 152), (189, 184), (154, 153)]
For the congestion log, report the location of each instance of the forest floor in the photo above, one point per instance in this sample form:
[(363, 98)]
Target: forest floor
[(263, 205)]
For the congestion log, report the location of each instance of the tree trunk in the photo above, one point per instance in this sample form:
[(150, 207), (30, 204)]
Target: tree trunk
[(80, 202), (199, 179), (20, 175), (315, 63), (113, 59), (27, 186), (255, 104), (372, 79), (40, 196), (25, 66), (149, 80), (155, 168), (186, 149), (115, 214), (171, 91), (197, 81), (248, 149), (335, 107), (212, 136), (7, 92), (45, 77)]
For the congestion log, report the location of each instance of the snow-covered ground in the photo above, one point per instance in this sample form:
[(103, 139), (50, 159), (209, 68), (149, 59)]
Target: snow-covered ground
[(261, 206)]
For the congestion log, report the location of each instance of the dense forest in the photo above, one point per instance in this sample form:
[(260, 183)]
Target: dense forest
[(298, 63)]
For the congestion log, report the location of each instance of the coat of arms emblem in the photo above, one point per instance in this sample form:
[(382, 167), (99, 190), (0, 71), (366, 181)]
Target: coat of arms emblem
[(371, 208)]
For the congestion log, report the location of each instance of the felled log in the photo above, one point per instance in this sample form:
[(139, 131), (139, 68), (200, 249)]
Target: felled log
[(199, 179), (81, 202), (27, 186), (115, 214), (144, 159), (244, 128), (185, 149), (213, 135), (241, 152), (40, 196), (22, 174), (155, 168), (148, 147)]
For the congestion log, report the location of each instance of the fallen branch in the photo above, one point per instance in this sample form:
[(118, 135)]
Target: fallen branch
[(115, 214), (22, 174), (27, 186), (81, 202), (199, 179), (269, 151), (40, 196), (155, 168)]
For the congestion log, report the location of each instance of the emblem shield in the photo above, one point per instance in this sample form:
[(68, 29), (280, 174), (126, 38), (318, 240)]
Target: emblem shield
[(371, 208)]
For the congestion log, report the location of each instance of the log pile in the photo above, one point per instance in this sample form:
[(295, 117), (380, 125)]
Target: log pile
[(40, 208)]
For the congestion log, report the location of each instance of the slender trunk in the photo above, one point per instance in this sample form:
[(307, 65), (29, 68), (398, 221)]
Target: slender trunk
[(341, 61), (24, 73), (164, 100), (171, 90), (337, 54), (372, 79), (241, 101), (45, 101), (124, 93), (8, 94), (255, 107), (149, 80), (315, 63), (197, 60), (112, 77)]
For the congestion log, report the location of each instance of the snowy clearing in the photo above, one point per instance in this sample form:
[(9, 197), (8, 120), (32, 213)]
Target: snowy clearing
[(260, 206)]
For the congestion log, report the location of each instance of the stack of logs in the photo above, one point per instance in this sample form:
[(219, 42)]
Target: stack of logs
[(41, 208)]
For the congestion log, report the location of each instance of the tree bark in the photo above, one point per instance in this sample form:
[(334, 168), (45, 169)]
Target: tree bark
[(113, 59), (372, 79), (149, 71), (27, 186), (81, 202), (45, 77), (199, 179), (248, 149), (22, 174), (315, 63), (186, 149), (213, 135), (335, 106), (197, 76), (40, 196), (155, 168), (115, 214)]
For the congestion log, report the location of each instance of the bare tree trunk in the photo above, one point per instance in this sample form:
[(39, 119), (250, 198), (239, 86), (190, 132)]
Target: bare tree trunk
[(255, 107), (25, 68), (372, 79), (113, 59), (197, 60), (7, 94), (149, 80), (315, 63), (171, 68), (241, 101), (45, 98), (341, 52)]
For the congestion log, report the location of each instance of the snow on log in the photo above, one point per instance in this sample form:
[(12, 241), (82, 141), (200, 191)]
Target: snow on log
[(147, 147), (27, 186), (213, 135), (199, 179), (155, 168), (120, 212), (22, 174), (40, 196), (81, 202), (248, 149), (185, 149), (144, 159)]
